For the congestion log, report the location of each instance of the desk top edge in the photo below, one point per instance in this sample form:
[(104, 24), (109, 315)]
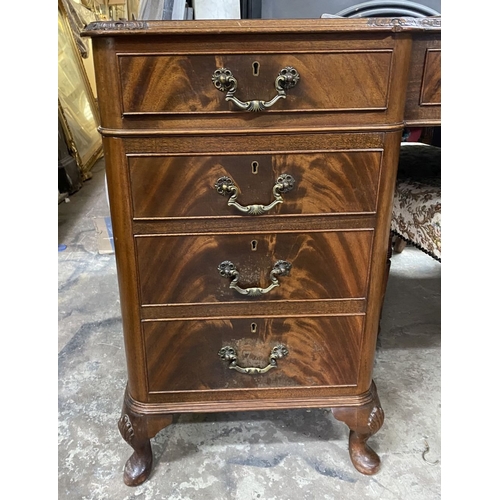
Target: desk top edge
[(241, 26)]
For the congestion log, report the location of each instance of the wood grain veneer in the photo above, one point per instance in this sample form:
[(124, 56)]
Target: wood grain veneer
[(180, 353), (183, 269), (325, 182), (171, 79)]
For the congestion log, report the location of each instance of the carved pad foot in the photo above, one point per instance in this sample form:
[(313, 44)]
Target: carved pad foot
[(137, 469), (138, 466), (363, 421), (137, 430)]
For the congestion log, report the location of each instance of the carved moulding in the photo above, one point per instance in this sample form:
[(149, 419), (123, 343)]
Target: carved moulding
[(398, 23), (116, 25)]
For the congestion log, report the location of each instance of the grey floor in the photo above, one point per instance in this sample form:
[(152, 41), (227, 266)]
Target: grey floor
[(271, 455)]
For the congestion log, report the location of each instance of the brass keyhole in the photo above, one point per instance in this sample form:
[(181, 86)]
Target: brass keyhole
[(255, 167), (253, 327), (253, 245), (256, 68)]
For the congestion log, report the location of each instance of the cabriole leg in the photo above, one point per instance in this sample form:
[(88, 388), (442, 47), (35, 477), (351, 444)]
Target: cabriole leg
[(363, 422), (137, 430)]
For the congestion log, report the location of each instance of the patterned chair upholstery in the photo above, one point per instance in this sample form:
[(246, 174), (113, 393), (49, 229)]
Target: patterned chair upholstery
[(416, 213)]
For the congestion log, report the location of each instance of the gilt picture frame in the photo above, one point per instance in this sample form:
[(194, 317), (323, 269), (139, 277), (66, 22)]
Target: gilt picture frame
[(76, 104)]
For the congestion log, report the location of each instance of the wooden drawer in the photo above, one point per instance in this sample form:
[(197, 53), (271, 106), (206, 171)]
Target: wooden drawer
[(169, 82), (351, 80), (184, 269), (423, 101), (184, 355), (323, 183)]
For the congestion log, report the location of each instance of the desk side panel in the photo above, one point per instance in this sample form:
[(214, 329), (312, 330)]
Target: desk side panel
[(118, 185)]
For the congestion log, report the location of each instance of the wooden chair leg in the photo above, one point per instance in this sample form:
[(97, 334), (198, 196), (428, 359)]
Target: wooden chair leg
[(386, 279), (399, 244)]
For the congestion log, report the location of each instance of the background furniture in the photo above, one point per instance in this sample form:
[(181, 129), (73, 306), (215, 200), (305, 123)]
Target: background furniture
[(69, 175), (416, 213), (251, 247), (78, 115)]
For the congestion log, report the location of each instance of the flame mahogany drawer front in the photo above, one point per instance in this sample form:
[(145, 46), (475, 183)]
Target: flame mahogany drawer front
[(340, 80), (319, 265), (310, 183), (251, 168), (190, 355)]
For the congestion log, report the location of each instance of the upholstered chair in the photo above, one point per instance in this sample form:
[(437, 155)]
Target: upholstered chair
[(416, 214)]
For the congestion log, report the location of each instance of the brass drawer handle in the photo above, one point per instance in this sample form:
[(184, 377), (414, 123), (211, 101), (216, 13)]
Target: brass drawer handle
[(226, 185), (228, 353), (228, 270), (224, 81)]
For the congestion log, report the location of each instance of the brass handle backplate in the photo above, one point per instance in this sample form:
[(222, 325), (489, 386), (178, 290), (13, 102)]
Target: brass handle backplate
[(224, 81), (225, 185), (228, 353), (228, 270)]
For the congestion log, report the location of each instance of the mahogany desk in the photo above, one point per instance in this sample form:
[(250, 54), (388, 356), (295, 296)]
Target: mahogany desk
[(251, 168)]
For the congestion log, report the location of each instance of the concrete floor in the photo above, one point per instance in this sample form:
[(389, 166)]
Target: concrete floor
[(270, 455)]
